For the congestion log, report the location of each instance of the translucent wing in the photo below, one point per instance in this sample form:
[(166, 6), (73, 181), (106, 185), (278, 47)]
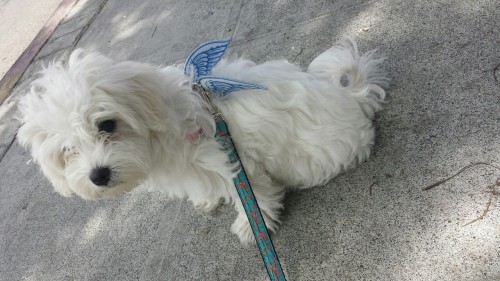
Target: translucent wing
[(224, 86), (202, 59)]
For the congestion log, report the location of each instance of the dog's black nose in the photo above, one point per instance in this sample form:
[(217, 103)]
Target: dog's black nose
[(100, 176)]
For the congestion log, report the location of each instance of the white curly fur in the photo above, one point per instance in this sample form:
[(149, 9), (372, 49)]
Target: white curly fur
[(304, 130)]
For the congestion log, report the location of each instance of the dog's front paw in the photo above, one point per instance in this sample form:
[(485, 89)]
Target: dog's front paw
[(241, 227)]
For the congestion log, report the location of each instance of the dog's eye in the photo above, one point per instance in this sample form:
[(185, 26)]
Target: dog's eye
[(107, 126)]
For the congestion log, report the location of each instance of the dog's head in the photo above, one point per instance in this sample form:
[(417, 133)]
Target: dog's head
[(93, 125)]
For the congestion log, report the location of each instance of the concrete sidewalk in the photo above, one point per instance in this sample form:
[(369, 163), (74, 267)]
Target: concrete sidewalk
[(20, 22), (371, 223)]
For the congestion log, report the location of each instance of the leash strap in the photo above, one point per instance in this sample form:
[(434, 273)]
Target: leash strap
[(247, 197), (252, 209), (198, 67)]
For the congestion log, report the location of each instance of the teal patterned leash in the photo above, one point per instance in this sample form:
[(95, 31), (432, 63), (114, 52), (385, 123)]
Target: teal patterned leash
[(247, 196)]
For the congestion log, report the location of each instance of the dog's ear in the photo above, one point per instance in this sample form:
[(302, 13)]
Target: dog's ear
[(150, 108), (138, 87), (50, 158)]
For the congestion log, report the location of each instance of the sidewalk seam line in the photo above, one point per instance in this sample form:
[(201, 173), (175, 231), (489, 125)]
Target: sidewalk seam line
[(8, 148), (87, 26), (238, 19)]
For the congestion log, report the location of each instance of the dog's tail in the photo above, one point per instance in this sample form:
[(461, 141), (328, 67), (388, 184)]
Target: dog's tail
[(345, 67)]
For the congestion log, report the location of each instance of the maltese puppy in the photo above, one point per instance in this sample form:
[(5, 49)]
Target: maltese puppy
[(99, 128)]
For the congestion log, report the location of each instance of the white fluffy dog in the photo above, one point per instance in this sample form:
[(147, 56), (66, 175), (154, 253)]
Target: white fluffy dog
[(100, 128)]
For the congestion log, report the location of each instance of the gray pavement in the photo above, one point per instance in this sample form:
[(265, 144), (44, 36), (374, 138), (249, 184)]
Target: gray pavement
[(371, 223)]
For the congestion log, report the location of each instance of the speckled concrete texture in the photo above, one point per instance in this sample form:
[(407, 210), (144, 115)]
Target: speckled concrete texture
[(373, 222)]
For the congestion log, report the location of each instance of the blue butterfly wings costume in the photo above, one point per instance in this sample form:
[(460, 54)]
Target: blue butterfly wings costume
[(199, 65)]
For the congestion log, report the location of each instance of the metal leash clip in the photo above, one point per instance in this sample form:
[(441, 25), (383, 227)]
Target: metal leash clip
[(208, 99)]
